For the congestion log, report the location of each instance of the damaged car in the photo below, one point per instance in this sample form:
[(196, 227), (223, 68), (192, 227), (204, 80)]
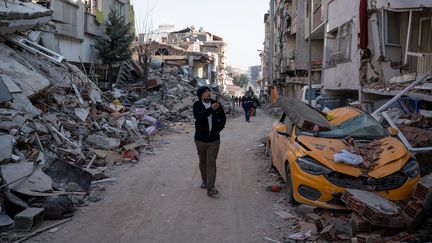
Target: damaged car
[(304, 144)]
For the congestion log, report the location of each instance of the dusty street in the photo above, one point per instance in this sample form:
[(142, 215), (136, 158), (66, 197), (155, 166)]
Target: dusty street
[(159, 199)]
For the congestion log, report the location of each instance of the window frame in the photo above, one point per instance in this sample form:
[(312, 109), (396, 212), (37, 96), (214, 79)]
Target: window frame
[(386, 29)]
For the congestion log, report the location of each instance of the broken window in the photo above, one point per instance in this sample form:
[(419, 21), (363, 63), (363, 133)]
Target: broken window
[(392, 30), (162, 52)]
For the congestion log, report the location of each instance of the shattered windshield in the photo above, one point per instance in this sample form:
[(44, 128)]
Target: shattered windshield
[(361, 126)]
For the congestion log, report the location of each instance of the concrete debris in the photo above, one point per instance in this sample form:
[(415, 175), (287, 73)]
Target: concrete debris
[(285, 215), (103, 142), (5, 147)]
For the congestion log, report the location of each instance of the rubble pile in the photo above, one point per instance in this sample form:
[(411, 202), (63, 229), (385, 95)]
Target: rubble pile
[(370, 152), (372, 218), (59, 132), (416, 127)]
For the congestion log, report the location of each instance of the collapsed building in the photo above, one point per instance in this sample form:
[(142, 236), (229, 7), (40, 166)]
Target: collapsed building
[(59, 132), (200, 53)]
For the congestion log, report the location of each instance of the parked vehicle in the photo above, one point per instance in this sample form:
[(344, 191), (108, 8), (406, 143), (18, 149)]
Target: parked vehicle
[(316, 91), (304, 158)]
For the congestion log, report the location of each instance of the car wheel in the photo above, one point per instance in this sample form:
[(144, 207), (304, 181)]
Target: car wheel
[(289, 186), (269, 155)]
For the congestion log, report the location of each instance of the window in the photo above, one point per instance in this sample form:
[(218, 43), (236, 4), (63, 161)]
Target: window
[(341, 51), (425, 40), (392, 28), (92, 6), (315, 93)]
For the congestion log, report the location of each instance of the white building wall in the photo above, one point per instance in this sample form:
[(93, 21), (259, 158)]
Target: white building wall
[(343, 75), (75, 44)]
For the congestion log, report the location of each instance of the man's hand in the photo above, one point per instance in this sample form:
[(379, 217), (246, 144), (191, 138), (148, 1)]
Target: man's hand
[(215, 106)]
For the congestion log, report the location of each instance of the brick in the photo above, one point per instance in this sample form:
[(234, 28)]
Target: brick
[(370, 206), (373, 216), (316, 219), (368, 238), (328, 233), (29, 219), (359, 225), (423, 190), (351, 202), (413, 213)]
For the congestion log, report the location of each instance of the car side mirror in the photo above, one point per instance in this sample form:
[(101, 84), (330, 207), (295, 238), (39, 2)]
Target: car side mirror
[(280, 128), (393, 131)]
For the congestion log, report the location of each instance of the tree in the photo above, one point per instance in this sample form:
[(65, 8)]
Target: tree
[(241, 80), (115, 46)]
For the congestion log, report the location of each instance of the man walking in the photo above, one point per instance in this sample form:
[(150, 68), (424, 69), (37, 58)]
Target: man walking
[(247, 105), (209, 121)]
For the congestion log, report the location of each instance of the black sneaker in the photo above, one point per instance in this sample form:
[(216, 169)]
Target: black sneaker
[(203, 185), (212, 192)]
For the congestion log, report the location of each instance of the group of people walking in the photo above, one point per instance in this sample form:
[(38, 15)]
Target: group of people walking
[(249, 102)]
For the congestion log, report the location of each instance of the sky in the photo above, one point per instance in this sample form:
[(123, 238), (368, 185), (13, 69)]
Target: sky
[(239, 22)]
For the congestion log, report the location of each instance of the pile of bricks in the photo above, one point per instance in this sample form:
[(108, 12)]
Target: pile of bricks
[(373, 208), (420, 203), (370, 152)]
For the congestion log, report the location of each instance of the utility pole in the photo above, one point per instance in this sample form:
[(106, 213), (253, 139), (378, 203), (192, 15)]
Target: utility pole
[(310, 53)]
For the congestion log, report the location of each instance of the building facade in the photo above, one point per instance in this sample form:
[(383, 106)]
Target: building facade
[(358, 50), (76, 25)]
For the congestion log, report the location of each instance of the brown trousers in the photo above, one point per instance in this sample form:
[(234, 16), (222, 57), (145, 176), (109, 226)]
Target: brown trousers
[(207, 153)]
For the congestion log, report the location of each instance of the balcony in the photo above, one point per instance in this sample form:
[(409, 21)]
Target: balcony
[(66, 17), (91, 26)]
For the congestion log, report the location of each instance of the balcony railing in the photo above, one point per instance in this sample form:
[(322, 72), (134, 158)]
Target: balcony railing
[(424, 61)]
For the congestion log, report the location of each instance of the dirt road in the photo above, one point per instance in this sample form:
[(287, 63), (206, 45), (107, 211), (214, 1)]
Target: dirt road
[(159, 199)]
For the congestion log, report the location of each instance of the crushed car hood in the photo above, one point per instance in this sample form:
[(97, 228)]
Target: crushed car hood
[(393, 157)]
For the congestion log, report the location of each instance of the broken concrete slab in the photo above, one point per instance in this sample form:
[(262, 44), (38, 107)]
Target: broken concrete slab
[(301, 114), (103, 142), (5, 94), (22, 16), (10, 119), (372, 207), (20, 102), (17, 69), (5, 147), (10, 84), (37, 182)]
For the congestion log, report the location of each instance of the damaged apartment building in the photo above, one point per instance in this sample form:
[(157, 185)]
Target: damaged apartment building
[(365, 50), (74, 27), (200, 52), (371, 54), (285, 58)]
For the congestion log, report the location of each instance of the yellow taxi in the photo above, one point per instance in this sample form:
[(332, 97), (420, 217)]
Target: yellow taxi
[(304, 158)]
